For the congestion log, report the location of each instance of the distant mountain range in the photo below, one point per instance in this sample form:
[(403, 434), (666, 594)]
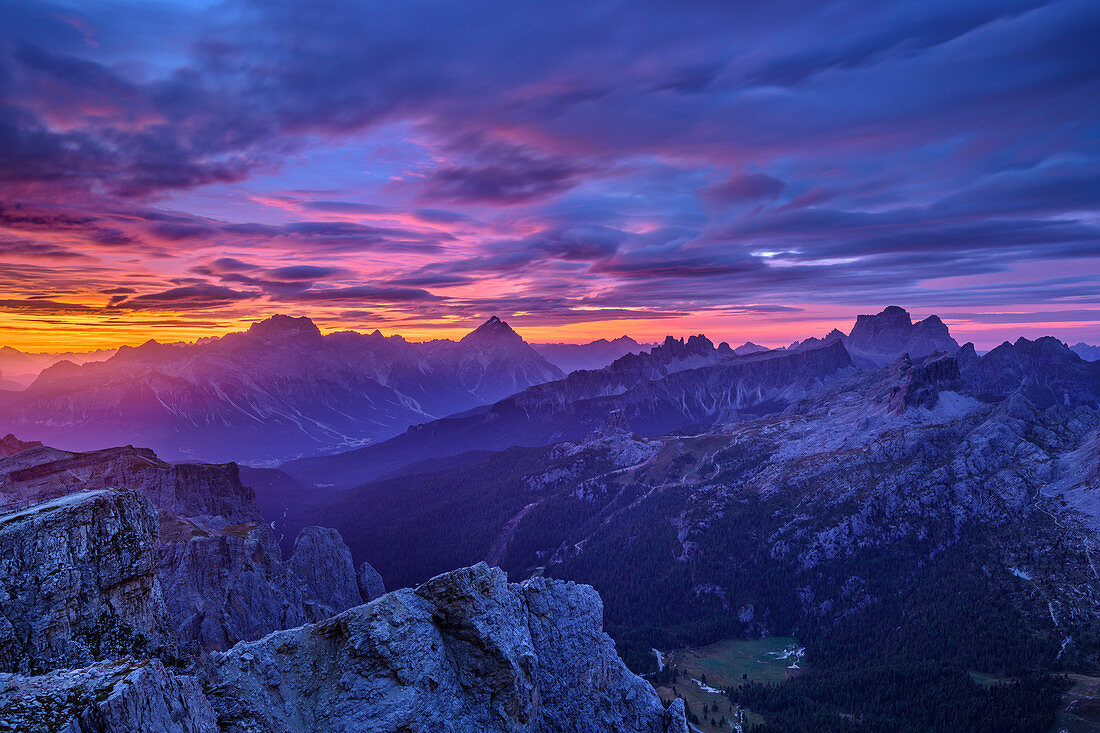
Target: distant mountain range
[(282, 390), (276, 391), (679, 385), (1086, 351), (593, 355), (18, 369)]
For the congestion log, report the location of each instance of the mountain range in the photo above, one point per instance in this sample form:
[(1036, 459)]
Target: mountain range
[(279, 390), (593, 355), (682, 384), (18, 369), (1086, 351)]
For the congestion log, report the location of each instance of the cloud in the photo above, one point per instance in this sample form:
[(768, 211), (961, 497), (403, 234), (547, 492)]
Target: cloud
[(342, 207), (364, 294), (592, 158), (497, 172), (185, 298), (304, 272), (40, 305), (744, 188)]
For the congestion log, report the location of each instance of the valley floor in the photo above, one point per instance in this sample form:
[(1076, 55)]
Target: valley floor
[(701, 675), (1080, 711)]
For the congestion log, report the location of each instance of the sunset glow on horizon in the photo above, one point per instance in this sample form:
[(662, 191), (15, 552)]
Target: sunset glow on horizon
[(583, 173)]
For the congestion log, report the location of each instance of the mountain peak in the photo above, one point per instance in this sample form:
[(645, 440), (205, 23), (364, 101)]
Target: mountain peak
[(893, 318), (882, 337), (493, 329), (281, 327), (749, 348)]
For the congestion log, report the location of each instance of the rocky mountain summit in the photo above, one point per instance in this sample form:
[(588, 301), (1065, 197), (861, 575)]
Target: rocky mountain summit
[(279, 390), (1088, 352), (878, 339), (884, 337)]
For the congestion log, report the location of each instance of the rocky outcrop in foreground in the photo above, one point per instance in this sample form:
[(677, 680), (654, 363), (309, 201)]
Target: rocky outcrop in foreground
[(221, 570), (465, 651), (120, 696), (82, 612)]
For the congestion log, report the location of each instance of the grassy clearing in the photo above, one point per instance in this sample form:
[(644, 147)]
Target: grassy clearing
[(987, 680), (1080, 711), (726, 664)]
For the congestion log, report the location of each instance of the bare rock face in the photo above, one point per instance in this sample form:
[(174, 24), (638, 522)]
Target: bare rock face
[(119, 696), (222, 572), (370, 582), (465, 651), (232, 585), (78, 578), (222, 588), (10, 445), (323, 562), (82, 578)]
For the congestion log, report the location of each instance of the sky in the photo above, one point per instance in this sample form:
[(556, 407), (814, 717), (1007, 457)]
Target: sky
[(752, 170)]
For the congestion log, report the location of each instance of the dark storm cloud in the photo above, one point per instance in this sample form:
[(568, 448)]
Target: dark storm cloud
[(748, 187), (343, 207), (27, 248), (304, 272), (429, 281), (40, 305)]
